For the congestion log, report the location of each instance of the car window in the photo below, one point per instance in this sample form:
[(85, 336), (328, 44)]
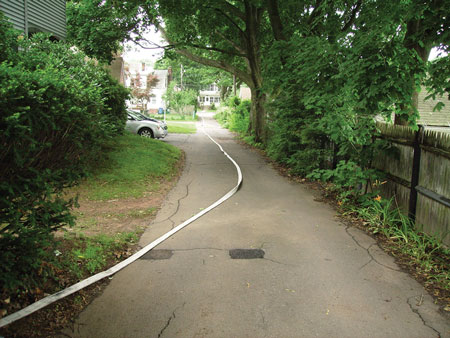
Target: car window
[(135, 117)]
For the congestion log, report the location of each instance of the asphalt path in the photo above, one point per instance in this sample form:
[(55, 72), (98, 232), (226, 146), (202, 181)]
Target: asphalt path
[(318, 277)]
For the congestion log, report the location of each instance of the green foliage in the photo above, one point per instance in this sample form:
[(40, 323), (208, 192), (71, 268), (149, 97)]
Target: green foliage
[(99, 27), (347, 59), (236, 117), (115, 96), (57, 112), (8, 39), (348, 178), (90, 255), (195, 75), (328, 91), (430, 256), (181, 101)]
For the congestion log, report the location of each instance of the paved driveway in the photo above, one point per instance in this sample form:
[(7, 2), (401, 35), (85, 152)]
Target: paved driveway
[(318, 278)]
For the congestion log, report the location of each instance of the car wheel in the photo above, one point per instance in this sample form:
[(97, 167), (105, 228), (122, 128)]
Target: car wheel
[(146, 132)]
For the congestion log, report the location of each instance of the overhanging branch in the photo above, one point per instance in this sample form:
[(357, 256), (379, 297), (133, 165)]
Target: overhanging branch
[(245, 77), (352, 16)]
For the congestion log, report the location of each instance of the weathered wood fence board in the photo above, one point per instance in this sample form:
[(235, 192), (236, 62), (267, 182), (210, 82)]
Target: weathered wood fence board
[(432, 192)]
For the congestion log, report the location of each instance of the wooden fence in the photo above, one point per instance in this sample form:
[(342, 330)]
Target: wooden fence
[(418, 176)]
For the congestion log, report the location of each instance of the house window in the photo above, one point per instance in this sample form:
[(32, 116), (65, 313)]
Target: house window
[(216, 99), (206, 98)]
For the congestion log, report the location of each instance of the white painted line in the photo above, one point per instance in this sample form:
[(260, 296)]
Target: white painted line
[(95, 278)]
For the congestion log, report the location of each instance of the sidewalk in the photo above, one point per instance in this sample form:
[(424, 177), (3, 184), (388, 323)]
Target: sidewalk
[(318, 277)]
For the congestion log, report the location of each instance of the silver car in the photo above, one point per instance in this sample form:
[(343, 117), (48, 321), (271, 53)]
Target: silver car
[(143, 117), (144, 127)]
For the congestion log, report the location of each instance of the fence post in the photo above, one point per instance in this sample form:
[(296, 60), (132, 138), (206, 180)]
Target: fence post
[(415, 173)]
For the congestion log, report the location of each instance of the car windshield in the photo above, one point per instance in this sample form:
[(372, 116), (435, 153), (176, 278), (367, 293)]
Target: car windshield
[(136, 116)]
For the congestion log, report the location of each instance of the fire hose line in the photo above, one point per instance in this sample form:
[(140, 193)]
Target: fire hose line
[(95, 278)]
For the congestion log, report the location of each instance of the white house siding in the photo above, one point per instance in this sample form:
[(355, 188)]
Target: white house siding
[(209, 96), (145, 69), (159, 90)]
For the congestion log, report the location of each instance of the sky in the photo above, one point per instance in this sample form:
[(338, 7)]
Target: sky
[(134, 52)]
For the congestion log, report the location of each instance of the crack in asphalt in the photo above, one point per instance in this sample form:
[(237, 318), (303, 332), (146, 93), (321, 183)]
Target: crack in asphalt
[(373, 259), (277, 262), (416, 311), (169, 218), (369, 253), (172, 316), (179, 203)]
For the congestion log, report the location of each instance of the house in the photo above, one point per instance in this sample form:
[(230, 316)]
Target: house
[(438, 120), (117, 69), (431, 118), (142, 70), (157, 100), (209, 96), (32, 16)]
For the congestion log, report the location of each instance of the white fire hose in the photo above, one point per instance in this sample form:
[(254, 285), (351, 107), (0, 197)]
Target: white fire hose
[(95, 278)]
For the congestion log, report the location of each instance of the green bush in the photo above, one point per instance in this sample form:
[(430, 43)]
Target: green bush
[(115, 96), (58, 110), (237, 116), (8, 39)]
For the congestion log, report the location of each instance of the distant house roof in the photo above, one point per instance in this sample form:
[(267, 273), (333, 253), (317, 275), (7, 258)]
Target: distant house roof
[(31, 16), (429, 117)]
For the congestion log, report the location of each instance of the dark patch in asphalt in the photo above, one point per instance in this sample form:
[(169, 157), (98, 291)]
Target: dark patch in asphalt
[(158, 254), (246, 253)]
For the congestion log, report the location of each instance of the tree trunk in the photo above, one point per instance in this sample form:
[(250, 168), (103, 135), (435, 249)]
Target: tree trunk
[(252, 46), (423, 51), (258, 115)]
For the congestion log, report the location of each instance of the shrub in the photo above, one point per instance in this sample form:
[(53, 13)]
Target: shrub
[(58, 110), (237, 116), (8, 39), (115, 96)]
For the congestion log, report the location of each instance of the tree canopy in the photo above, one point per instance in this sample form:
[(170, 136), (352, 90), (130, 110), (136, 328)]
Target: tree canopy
[(237, 36), (319, 71)]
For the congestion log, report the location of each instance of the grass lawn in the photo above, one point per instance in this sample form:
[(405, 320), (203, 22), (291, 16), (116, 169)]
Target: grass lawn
[(181, 127), (176, 117), (136, 164)]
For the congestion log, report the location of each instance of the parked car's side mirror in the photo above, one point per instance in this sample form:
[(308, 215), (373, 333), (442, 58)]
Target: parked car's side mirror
[(130, 118)]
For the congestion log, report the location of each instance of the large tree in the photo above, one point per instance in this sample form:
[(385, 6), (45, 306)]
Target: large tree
[(237, 35)]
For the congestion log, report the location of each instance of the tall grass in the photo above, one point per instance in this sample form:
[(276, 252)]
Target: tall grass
[(428, 255)]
